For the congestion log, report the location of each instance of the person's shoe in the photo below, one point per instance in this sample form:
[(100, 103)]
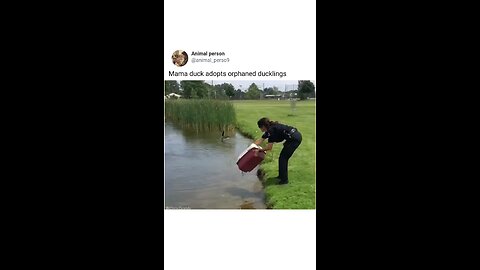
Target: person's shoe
[(283, 182)]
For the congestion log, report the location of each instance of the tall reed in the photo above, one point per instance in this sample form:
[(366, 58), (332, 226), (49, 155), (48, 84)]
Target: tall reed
[(201, 114)]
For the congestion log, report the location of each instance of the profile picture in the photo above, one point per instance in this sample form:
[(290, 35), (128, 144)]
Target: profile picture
[(179, 58)]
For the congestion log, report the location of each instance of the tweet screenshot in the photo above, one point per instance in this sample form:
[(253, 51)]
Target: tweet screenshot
[(240, 96)]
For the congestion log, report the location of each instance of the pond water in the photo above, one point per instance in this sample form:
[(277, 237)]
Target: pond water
[(201, 171)]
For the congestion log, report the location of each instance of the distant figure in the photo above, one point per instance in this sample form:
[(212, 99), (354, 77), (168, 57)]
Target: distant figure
[(275, 133)]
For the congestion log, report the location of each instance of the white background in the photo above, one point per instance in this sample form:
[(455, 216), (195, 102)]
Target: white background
[(255, 35)]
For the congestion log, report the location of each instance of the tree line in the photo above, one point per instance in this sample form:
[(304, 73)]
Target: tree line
[(202, 90)]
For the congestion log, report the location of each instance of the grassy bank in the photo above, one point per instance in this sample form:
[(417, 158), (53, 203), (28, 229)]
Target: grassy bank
[(201, 114), (300, 192)]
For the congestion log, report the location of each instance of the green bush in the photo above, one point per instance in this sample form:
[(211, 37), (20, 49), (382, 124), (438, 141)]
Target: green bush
[(201, 114)]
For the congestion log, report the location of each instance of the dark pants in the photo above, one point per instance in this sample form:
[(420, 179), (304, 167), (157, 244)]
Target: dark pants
[(288, 148)]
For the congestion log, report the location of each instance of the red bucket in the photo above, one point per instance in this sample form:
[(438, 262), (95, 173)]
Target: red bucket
[(250, 158)]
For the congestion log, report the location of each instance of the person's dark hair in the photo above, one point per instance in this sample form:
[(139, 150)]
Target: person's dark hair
[(185, 59), (265, 122)]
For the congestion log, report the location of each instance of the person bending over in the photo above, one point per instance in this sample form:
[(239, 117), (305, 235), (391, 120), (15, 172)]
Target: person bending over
[(275, 133)]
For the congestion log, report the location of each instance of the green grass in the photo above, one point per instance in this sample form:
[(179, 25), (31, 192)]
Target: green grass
[(201, 114), (300, 192)]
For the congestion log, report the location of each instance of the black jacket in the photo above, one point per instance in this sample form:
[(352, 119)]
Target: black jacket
[(277, 133)]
